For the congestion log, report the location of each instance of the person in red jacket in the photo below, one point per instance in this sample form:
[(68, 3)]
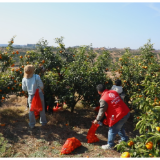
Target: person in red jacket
[(117, 113)]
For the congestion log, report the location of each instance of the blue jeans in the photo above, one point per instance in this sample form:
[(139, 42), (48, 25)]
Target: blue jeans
[(117, 128), (32, 120)]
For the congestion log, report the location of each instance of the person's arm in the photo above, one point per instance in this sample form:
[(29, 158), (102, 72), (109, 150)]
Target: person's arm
[(39, 82), (24, 87), (102, 110)]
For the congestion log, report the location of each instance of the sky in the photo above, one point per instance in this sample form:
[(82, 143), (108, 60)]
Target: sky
[(100, 23)]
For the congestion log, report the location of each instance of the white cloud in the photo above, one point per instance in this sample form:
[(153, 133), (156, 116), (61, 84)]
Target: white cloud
[(157, 10)]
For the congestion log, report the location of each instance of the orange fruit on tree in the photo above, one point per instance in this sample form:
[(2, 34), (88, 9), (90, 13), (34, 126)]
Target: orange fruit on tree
[(17, 52), (27, 62), (151, 155), (149, 145), (8, 87), (3, 97), (125, 155), (15, 81), (13, 52), (12, 42), (155, 99), (60, 51), (130, 143), (20, 84), (43, 61), (0, 90), (22, 66), (158, 129), (20, 56)]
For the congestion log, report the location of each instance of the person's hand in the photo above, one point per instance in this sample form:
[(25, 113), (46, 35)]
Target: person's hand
[(95, 121)]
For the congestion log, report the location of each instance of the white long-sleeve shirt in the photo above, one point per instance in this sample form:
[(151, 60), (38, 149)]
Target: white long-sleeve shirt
[(31, 84), (119, 89)]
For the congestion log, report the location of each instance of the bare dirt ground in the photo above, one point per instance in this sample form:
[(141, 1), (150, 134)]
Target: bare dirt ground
[(48, 140)]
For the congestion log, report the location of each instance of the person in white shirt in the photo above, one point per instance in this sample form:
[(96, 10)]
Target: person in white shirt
[(30, 83), (118, 88)]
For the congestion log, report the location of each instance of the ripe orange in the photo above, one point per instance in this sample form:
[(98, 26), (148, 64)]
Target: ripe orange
[(20, 56), (17, 52), (13, 52), (60, 51), (43, 61), (149, 145), (158, 129), (12, 65), (15, 81), (150, 154), (8, 87), (130, 143), (0, 90), (3, 97), (125, 155), (20, 84), (120, 59), (22, 66)]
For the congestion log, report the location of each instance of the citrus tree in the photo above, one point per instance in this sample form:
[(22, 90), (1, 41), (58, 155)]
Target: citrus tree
[(71, 74), (10, 77), (140, 76)]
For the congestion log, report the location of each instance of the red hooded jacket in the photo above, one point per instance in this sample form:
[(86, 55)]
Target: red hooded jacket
[(116, 106)]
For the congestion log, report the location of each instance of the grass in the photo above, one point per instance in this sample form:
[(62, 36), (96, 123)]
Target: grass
[(18, 140)]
